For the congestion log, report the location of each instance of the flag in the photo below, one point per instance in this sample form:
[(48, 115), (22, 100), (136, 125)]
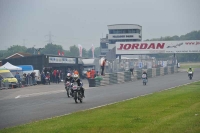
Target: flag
[(80, 50), (92, 51), (62, 53), (58, 52)]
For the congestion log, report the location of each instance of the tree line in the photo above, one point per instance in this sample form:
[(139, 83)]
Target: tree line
[(74, 50), (182, 57), (49, 49)]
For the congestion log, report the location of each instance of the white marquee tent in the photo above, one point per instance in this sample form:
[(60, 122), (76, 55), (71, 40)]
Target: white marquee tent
[(11, 67)]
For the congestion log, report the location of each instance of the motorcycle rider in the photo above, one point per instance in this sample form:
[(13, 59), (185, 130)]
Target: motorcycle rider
[(144, 75), (79, 83), (69, 79), (190, 70)]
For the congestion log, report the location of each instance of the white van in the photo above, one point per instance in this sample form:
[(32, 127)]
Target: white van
[(37, 76)]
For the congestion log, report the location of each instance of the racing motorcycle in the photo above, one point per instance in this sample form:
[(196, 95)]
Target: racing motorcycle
[(68, 88), (144, 80), (77, 93), (190, 74)]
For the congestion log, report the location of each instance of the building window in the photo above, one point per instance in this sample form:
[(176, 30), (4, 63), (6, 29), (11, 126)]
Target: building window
[(104, 45)]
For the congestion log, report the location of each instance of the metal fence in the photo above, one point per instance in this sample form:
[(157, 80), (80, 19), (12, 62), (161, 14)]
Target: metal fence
[(136, 64)]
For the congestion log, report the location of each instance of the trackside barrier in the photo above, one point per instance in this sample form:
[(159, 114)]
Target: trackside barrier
[(149, 73), (169, 70), (153, 72), (165, 70), (120, 77), (157, 71), (162, 71), (175, 69), (127, 76)]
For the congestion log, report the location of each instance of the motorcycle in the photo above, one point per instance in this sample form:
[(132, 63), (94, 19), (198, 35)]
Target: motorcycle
[(144, 81), (68, 89), (190, 74), (77, 93)]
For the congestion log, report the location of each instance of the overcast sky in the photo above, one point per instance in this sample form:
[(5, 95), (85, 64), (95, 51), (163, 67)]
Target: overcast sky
[(73, 22)]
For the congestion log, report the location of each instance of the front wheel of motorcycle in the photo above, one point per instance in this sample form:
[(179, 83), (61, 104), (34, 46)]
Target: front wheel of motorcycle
[(67, 92)]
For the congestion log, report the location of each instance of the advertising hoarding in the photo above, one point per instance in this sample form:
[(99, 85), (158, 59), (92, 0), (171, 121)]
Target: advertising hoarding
[(154, 47), (62, 60)]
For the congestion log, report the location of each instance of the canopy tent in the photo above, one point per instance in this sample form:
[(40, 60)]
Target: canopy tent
[(11, 67)]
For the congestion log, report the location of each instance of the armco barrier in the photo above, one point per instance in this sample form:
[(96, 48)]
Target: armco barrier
[(165, 70), (157, 71), (120, 77), (149, 73), (169, 70), (172, 69), (127, 76), (175, 69), (162, 71), (139, 73), (105, 80), (113, 78), (153, 72)]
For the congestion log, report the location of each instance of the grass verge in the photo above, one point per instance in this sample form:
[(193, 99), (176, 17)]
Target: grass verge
[(176, 110), (187, 65)]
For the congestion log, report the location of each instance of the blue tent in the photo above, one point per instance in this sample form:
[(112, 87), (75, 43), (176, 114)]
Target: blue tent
[(26, 67)]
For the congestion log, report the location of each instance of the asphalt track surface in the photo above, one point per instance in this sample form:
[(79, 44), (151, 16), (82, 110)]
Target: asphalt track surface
[(28, 104)]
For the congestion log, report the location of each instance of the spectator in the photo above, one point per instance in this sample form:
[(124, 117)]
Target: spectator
[(33, 78), (48, 77), (54, 76), (57, 77), (92, 73), (17, 76), (43, 78), (24, 79), (1, 78), (88, 74), (103, 66), (131, 70)]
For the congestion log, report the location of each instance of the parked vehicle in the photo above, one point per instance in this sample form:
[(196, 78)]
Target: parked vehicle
[(8, 79), (77, 93), (37, 76), (27, 68)]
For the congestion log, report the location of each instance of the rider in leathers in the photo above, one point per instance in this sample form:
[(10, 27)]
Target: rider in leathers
[(69, 79), (79, 83)]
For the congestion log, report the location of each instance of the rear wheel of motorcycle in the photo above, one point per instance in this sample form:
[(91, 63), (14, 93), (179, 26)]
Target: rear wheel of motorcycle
[(75, 97)]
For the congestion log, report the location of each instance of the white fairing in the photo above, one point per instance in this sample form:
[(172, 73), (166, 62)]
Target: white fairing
[(190, 72)]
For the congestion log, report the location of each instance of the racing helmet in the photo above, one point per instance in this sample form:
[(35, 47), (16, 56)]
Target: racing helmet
[(68, 75), (75, 77)]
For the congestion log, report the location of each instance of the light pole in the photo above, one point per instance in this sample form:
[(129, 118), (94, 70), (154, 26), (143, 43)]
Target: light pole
[(34, 49)]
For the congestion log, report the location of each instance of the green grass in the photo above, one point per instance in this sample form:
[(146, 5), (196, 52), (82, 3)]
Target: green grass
[(172, 111), (187, 65)]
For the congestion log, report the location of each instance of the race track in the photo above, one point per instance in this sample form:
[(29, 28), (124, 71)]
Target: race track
[(24, 105)]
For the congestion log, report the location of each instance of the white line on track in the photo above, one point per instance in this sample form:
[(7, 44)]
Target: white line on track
[(43, 93)]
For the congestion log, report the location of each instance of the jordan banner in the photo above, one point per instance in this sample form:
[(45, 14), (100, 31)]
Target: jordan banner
[(154, 47)]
